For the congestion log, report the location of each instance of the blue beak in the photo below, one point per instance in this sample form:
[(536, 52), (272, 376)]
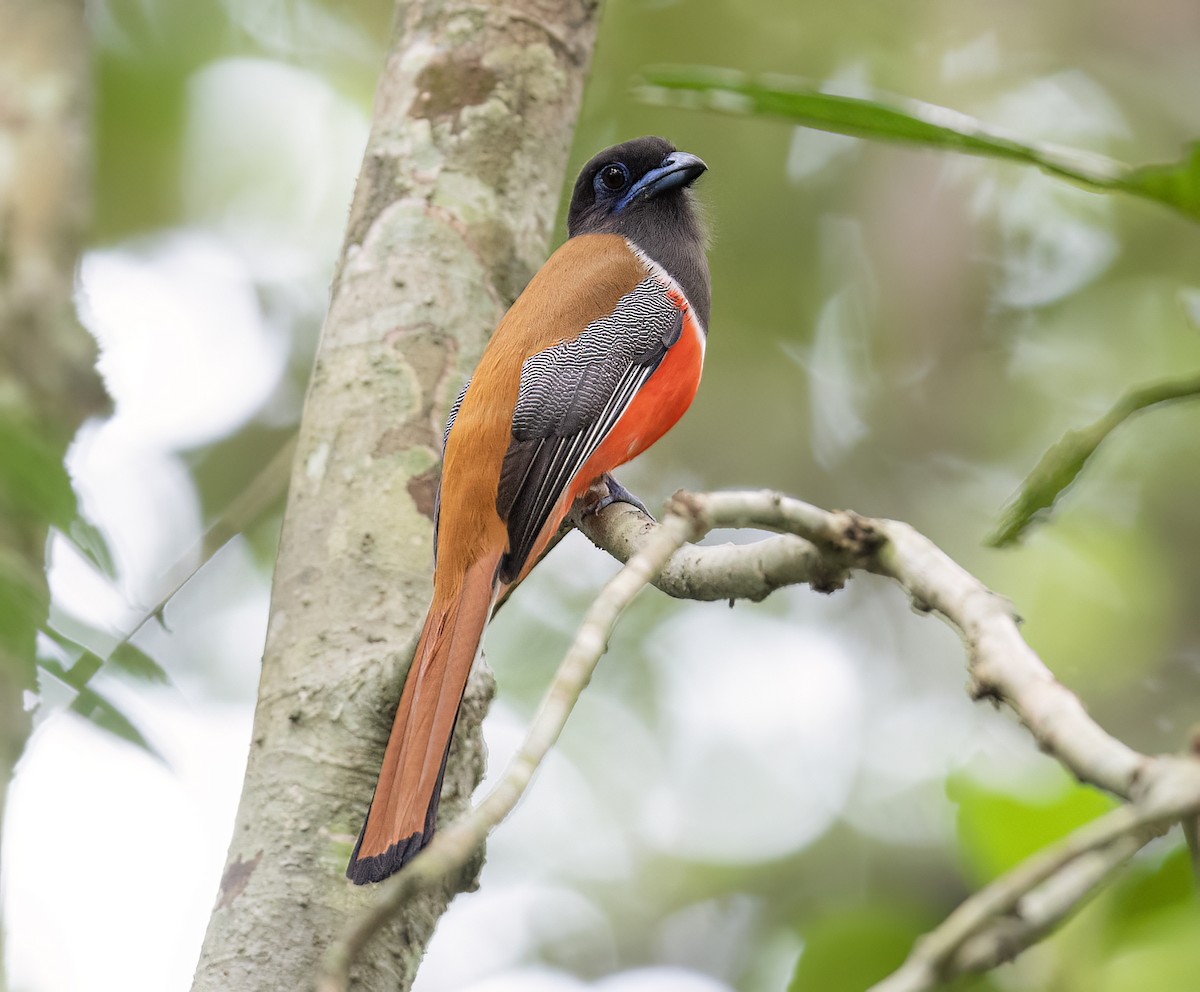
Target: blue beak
[(677, 170)]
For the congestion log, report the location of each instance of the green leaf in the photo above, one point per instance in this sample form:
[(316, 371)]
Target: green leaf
[(1147, 891), (851, 951), (1176, 185), (33, 481), (997, 830), (90, 541), (134, 662), (91, 704), (1059, 466), (24, 600), (78, 673), (104, 714), (125, 658), (77, 665)]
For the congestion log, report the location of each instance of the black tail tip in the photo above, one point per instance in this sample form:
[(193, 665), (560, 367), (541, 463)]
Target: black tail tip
[(377, 867)]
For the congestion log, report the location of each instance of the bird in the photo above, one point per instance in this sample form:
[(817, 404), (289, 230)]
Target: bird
[(595, 360)]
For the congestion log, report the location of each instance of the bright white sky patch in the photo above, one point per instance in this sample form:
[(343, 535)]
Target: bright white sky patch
[(111, 859), (504, 926), (268, 154), (184, 350), (763, 730), (143, 499)]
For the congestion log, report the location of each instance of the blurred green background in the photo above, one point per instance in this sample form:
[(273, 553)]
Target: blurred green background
[(774, 796)]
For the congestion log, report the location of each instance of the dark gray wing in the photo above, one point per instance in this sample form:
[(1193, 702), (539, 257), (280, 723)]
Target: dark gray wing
[(571, 396)]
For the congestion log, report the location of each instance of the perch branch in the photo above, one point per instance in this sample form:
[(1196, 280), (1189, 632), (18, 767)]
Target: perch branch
[(1002, 665), (1161, 790), (821, 547)]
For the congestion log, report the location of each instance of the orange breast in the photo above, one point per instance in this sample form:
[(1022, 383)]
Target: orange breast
[(655, 409)]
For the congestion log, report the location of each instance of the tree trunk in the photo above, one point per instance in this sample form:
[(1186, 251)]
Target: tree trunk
[(48, 382), (452, 214)]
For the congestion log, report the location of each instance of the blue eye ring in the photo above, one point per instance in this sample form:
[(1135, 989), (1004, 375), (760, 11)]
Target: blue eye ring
[(611, 178)]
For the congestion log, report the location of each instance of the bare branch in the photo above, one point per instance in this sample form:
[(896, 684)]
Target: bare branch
[(1043, 909), (726, 571), (1005, 918), (1002, 665), (1021, 907), (819, 547)]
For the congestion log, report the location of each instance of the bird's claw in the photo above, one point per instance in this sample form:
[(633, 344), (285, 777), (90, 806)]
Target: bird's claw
[(614, 492)]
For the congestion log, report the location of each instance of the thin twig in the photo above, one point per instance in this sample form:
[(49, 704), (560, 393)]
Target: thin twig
[(995, 919), (1043, 909)]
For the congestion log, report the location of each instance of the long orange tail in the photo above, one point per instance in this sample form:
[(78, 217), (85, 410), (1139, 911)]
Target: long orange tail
[(403, 811)]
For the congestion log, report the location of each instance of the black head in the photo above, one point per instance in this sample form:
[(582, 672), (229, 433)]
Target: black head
[(643, 176), (641, 190)]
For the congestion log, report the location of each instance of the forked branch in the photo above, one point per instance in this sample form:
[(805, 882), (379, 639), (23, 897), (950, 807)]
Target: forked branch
[(820, 548)]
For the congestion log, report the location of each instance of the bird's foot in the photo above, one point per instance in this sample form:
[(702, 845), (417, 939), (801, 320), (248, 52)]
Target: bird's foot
[(607, 490)]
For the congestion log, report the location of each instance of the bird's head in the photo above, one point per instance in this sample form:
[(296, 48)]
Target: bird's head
[(632, 185)]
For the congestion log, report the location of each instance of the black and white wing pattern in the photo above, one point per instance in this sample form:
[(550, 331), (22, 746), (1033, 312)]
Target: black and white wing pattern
[(437, 496), (462, 395), (571, 395)]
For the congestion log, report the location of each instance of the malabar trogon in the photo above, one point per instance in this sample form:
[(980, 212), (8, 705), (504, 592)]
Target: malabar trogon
[(595, 361)]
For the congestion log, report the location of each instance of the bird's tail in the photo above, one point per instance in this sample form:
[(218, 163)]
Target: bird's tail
[(401, 818)]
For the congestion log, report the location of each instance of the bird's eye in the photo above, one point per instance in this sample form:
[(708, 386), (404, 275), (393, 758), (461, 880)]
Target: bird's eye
[(614, 177)]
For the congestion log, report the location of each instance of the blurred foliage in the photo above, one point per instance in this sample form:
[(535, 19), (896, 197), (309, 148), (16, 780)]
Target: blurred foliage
[(894, 330), (852, 950), (1093, 600), (35, 488), (34, 491), (1062, 463), (997, 829), (146, 60), (1151, 892), (33, 481), (93, 705), (1176, 184)]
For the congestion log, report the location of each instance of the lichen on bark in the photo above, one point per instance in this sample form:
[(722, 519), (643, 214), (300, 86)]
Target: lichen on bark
[(452, 214)]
